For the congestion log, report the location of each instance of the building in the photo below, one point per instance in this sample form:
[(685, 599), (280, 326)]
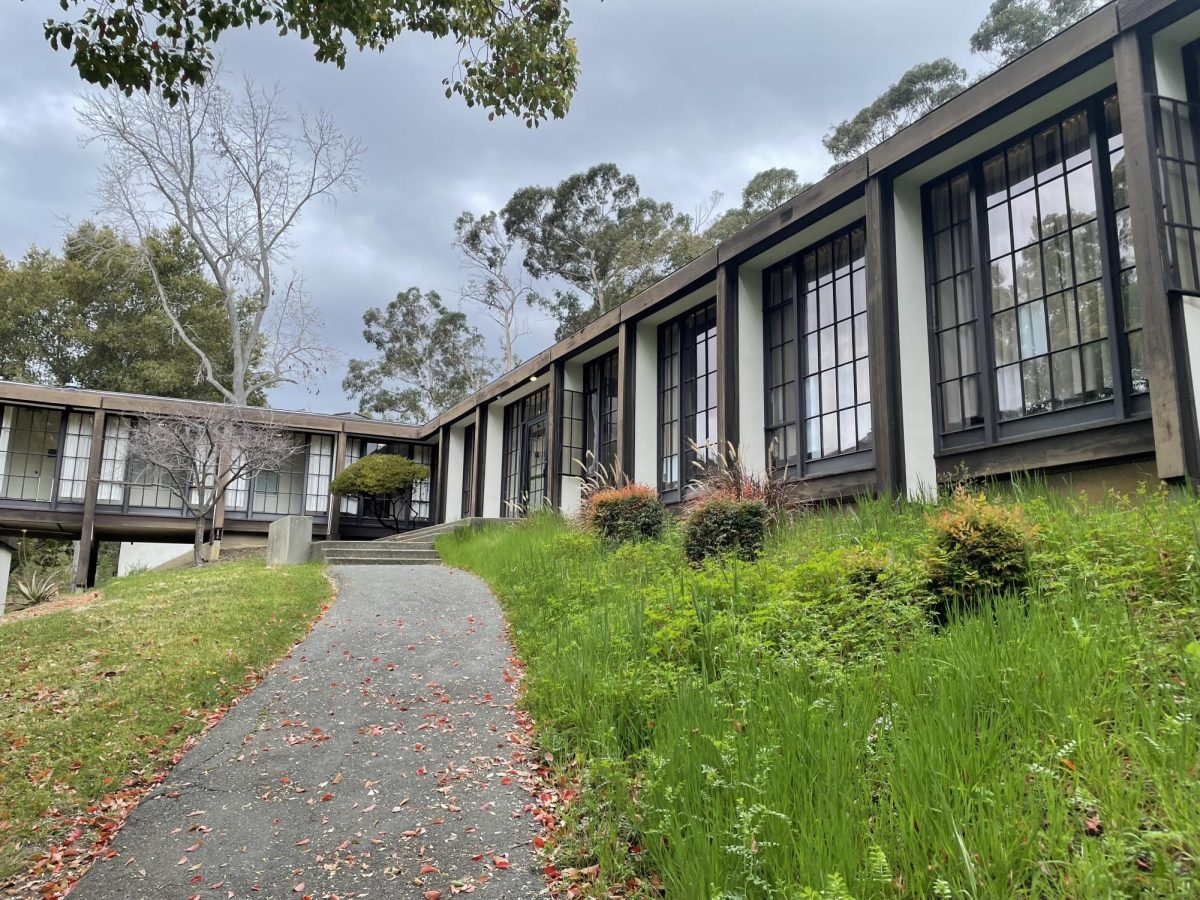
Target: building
[(1010, 284)]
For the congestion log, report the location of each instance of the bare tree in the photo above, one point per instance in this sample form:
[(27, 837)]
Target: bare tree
[(235, 173), (493, 284), (201, 454)]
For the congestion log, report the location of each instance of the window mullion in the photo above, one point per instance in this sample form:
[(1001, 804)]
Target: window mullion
[(984, 335)]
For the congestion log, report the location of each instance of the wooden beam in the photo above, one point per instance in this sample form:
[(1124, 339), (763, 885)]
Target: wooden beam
[(554, 432), (480, 462), (728, 414), (1169, 392), (883, 328), (626, 402), (85, 571)]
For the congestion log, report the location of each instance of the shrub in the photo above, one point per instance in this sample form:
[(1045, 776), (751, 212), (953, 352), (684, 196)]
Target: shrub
[(629, 513), (384, 477), (718, 525), (726, 477), (34, 586), (978, 548)]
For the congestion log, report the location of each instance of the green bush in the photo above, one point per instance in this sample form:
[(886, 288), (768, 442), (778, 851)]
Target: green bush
[(385, 478), (630, 513), (978, 549), (717, 526)]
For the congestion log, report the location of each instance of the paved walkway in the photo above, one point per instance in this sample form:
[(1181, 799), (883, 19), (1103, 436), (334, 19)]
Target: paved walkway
[(374, 762)]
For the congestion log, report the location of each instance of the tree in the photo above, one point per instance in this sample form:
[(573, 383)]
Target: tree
[(919, 90), (596, 232), (1014, 27), (514, 57), (94, 319), (202, 453), (763, 192), (234, 175), (492, 283), (384, 478), (428, 358)]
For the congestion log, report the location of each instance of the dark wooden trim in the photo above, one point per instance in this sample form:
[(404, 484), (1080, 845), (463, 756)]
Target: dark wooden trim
[(1173, 455), (85, 570), (883, 324), (1108, 443), (728, 412), (1134, 12), (438, 513), (554, 410), (480, 463), (333, 529), (626, 402)]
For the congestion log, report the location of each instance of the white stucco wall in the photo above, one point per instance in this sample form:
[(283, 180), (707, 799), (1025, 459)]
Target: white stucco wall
[(752, 439), (493, 461), (5, 568), (454, 472), (148, 555), (645, 419), (915, 380)]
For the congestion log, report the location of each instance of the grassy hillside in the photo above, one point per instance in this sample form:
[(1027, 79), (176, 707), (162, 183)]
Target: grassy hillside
[(802, 726), (95, 700)]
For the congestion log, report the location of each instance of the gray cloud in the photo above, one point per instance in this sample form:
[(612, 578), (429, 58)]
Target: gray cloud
[(688, 95)]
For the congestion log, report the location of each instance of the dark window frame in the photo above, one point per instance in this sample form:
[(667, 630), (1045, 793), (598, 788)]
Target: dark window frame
[(796, 466), (468, 470), (1124, 404), (519, 417), (600, 413), (675, 338)]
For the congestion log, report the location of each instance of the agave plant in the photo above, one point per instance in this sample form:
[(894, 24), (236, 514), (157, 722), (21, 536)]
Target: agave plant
[(35, 586)]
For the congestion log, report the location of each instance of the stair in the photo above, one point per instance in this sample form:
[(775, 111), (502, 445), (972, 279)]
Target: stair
[(409, 548)]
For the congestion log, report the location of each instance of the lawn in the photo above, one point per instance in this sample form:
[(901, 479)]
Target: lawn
[(96, 700), (802, 726)]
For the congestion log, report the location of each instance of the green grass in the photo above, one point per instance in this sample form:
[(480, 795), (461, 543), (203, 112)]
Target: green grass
[(96, 696), (788, 729)]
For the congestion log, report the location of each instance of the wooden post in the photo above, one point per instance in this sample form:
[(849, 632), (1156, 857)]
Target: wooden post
[(728, 416), (218, 514), (883, 326), (333, 529), (554, 431), (85, 565), (1170, 395), (626, 369), (480, 460), (443, 463)]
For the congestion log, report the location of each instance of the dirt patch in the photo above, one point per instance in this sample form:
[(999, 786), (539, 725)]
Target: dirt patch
[(72, 601)]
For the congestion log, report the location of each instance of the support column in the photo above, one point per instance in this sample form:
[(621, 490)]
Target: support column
[(333, 531), (728, 416), (479, 460), (554, 432), (626, 353), (218, 513), (443, 463), (6, 553), (85, 567), (887, 419), (1174, 430)]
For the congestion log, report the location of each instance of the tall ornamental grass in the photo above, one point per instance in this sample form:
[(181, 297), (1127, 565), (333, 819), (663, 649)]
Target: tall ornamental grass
[(805, 725)]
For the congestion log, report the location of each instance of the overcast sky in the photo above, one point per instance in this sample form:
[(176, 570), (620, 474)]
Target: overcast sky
[(690, 96)]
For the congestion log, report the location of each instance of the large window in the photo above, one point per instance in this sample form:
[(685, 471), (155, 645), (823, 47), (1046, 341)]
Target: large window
[(1027, 248), (600, 411), (818, 376), (687, 398), (525, 455), (414, 508), (29, 444)]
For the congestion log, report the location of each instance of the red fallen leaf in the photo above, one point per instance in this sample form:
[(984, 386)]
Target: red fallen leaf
[(428, 870), (299, 888), (501, 863), (182, 861), (303, 842), (539, 841), (325, 798), (421, 771), (196, 879), (1070, 765), (193, 848), (432, 895), (552, 873), (1094, 826), (477, 857)]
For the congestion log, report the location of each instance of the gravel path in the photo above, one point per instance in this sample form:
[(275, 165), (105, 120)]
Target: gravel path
[(375, 761)]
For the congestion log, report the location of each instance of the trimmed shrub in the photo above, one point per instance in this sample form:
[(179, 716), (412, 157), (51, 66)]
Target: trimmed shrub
[(978, 549), (717, 525), (385, 478), (629, 513)]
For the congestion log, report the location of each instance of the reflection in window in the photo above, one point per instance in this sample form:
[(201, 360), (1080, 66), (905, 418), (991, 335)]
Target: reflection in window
[(1049, 321), (836, 400), (320, 471), (280, 492), (77, 449), (113, 461), (28, 451), (1131, 304)]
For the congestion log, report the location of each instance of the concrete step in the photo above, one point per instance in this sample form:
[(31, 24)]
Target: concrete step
[(328, 551), (381, 561)]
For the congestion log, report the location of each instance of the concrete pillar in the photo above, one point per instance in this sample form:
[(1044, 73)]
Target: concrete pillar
[(645, 428), (85, 568), (884, 338), (335, 502), (752, 433), (728, 414), (493, 461), (453, 475), (5, 568), (289, 540)]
